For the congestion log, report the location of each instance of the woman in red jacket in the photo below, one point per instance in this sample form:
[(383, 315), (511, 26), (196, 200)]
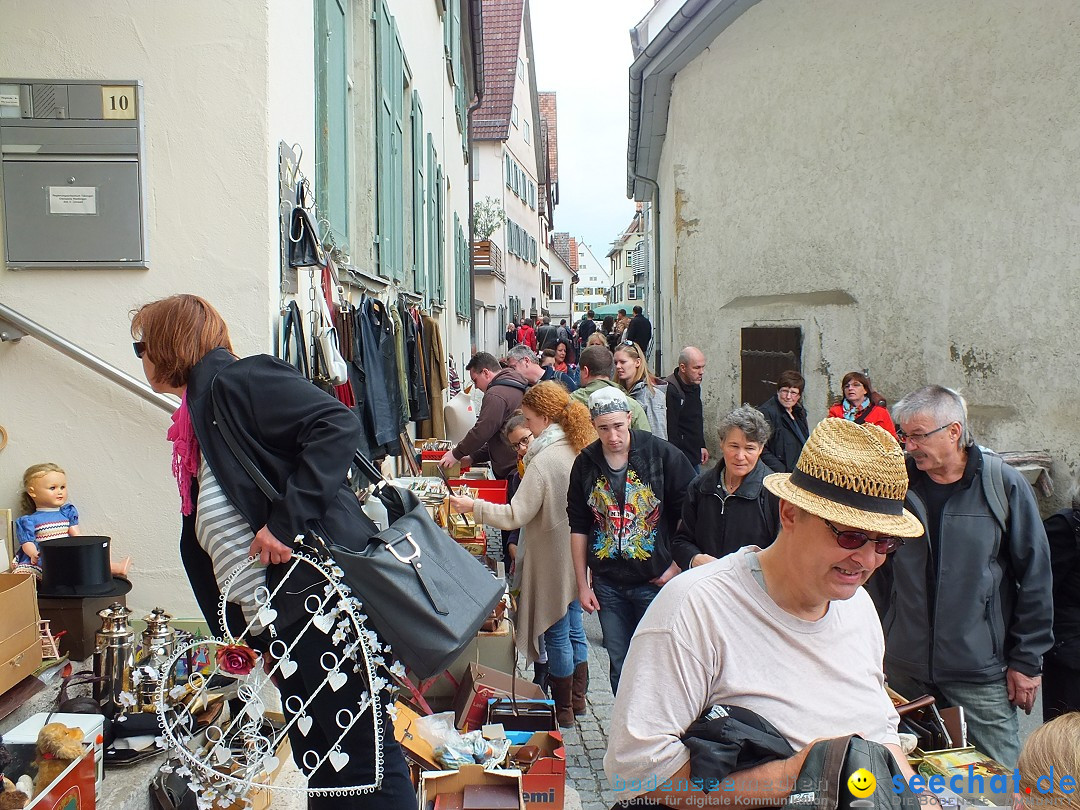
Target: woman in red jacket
[(861, 403)]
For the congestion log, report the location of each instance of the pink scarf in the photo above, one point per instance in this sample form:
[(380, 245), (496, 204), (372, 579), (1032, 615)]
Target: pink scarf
[(185, 454)]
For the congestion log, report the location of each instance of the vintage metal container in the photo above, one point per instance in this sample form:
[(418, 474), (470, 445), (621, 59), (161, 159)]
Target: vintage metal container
[(158, 646), (114, 659)]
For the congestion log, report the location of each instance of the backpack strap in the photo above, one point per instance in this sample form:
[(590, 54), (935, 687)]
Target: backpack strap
[(994, 488)]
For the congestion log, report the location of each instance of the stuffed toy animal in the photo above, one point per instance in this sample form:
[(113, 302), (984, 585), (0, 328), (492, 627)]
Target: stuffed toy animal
[(11, 798), (57, 747)]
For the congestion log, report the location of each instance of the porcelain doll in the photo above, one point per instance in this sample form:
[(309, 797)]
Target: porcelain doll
[(48, 516)]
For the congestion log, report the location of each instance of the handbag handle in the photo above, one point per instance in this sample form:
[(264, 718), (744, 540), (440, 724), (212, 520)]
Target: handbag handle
[(293, 333)]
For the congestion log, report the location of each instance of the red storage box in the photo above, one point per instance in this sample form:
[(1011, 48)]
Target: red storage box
[(489, 490)]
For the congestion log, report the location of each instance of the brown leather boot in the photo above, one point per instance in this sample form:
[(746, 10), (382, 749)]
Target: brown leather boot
[(562, 690), (581, 686)]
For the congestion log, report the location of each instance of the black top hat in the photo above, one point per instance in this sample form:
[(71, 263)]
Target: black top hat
[(79, 566)]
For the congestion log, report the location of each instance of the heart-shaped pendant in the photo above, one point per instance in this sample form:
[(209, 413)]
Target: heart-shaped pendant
[(324, 621), (270, 764), (303, 722), (221, 754), (339, 759), (337, 679), (266, 615), (287, 667)]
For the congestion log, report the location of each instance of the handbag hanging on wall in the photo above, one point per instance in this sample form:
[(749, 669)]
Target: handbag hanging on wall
[(305, 245), (425, 594), (293, 343)]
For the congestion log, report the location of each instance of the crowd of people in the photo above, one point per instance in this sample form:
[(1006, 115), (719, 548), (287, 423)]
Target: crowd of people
[(969, 603), (745, 583)]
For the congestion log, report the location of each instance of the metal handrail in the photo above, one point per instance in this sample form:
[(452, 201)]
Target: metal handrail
[(24, 326)]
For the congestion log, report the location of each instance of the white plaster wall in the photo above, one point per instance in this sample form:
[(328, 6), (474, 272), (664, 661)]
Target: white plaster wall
[(211, 187), (919, 156)]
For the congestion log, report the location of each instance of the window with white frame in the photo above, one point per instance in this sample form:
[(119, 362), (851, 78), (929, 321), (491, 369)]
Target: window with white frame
[(526, 132), (514, 115), (521, 68), (556, 291)]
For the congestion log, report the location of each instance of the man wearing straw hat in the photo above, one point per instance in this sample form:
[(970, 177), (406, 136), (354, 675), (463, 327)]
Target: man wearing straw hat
[(787, 632)]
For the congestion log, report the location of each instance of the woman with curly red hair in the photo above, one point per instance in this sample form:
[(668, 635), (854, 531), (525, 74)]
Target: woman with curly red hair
[(548, 603)]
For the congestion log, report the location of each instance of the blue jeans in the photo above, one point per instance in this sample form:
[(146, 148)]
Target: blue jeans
[(621, 608), (993, 726), (566, 644)]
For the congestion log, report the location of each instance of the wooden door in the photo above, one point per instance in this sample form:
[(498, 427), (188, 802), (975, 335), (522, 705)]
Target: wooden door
[(766, 352)]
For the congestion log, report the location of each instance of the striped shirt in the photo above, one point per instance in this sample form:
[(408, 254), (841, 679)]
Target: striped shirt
[(224, 534)]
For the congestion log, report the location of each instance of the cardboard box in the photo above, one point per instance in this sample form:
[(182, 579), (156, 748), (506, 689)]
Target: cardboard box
[(74, 789), (20, 637), (543, 786), (436, 783), (262, 798), (480, 684), (494, 650), (418, 751)]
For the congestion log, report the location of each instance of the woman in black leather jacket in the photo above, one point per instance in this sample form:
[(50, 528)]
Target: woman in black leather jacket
[(302, 440)]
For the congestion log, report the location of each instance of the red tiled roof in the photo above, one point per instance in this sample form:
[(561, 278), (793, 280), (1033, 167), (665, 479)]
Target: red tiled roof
[(502, 33), (550, 117), (573, 254)]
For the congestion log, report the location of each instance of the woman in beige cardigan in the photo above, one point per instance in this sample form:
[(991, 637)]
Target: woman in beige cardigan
[(548, 603)]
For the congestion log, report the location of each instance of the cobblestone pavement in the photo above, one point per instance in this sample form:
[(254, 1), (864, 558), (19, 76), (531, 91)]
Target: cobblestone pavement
[(585, 744)]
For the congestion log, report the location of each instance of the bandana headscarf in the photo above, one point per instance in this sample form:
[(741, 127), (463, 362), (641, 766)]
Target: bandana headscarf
[(185, 454)]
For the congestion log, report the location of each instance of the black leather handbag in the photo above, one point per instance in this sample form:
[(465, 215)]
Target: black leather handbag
[(823, 782), (305, 246), (424, 593)]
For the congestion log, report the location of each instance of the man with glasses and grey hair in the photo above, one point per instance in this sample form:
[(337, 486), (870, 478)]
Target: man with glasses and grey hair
[(523, 360), (968, 614)]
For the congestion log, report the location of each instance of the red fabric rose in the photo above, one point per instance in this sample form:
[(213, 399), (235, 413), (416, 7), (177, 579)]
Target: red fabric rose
[(236, 659)]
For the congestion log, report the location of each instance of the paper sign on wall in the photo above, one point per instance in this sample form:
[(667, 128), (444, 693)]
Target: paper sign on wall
[(72, 200)]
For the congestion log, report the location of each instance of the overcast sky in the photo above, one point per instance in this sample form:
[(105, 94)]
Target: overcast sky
[(582, 51)]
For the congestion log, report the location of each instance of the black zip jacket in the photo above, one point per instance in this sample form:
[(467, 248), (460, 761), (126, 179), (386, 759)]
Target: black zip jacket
[(299, 437), (986, 605), (1063, 532), (784, 445), (685, 418), (714, 522), (629, 534)]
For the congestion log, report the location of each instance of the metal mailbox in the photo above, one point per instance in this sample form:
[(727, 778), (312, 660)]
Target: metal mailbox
[(73, 174)]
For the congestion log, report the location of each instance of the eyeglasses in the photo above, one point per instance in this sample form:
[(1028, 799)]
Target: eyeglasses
[(140, 348), (852, 540), (919, 438), (520, 443), (790, 392)]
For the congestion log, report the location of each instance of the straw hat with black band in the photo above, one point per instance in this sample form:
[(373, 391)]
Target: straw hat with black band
[(853, 475)]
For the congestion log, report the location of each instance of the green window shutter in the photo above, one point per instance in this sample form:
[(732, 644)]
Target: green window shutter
[(455, 63), (397, 165), (418, 194), (440, 290), (331, 109), (509, 171), (384, 124), (433, 268), (389, 123)]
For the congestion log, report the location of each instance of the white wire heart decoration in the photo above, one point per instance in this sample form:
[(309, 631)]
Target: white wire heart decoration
[(229, 758)]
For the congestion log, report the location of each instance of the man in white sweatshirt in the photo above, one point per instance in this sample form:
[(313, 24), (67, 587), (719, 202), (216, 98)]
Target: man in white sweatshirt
[(787, 632)]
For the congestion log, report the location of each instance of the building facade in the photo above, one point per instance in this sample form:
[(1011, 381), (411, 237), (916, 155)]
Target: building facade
[(626, 260), (594, 281), (372, 97), (510, 167), (840, 186)]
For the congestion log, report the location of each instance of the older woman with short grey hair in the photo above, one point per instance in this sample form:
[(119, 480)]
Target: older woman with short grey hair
[(727, 507)]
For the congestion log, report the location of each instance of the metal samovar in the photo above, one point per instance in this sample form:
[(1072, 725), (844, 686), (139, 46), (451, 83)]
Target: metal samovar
[(158, 646), (114, 660)]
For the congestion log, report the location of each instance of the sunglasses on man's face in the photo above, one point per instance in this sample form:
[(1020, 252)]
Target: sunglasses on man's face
[(852, 540), (140, 348)]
